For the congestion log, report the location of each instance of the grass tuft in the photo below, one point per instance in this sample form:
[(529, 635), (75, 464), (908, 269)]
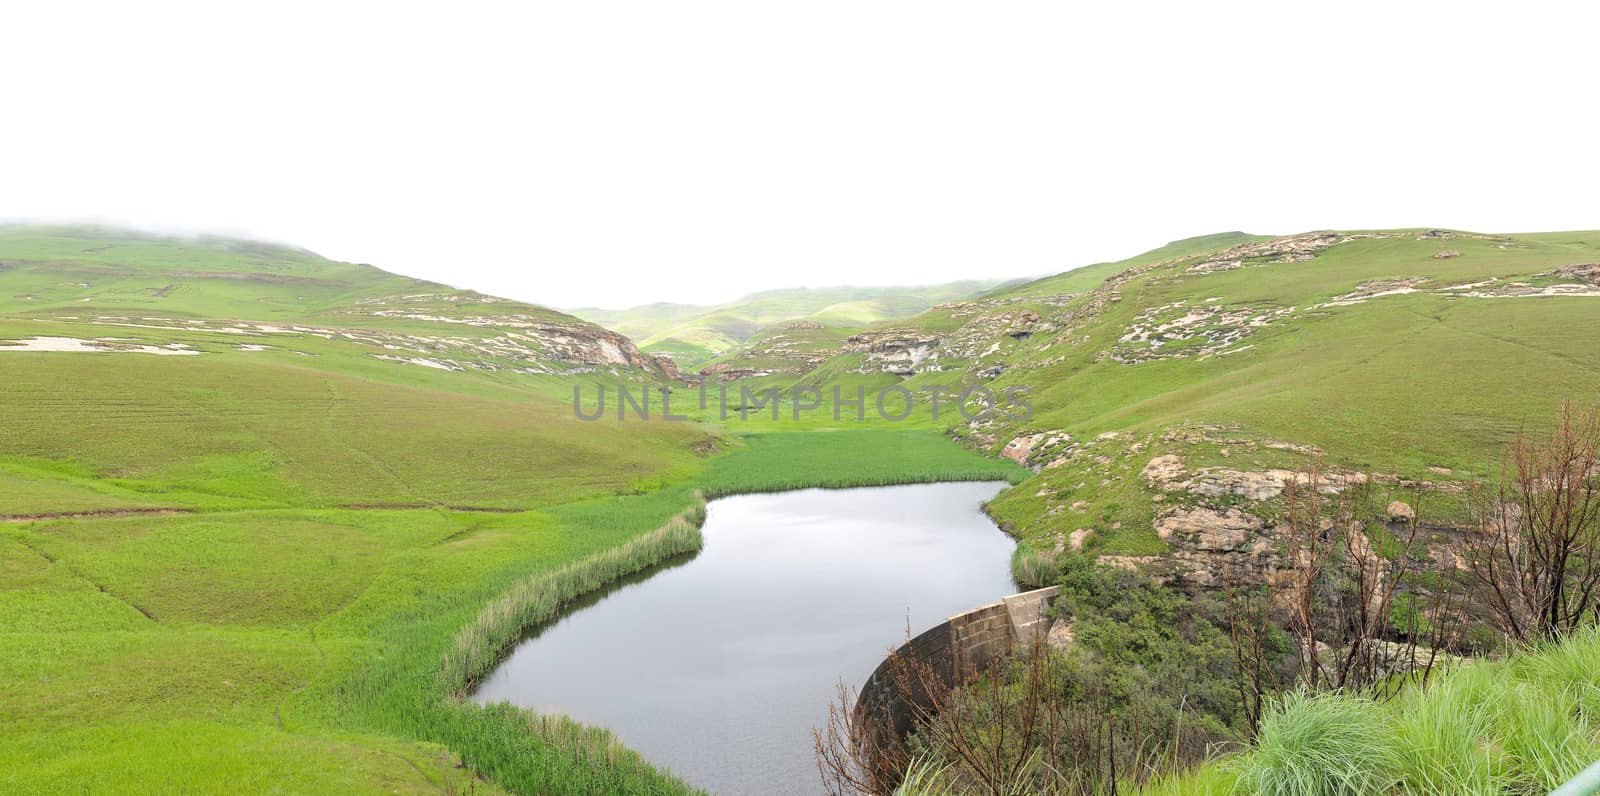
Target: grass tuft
[(1319, 746), (1033, 569)]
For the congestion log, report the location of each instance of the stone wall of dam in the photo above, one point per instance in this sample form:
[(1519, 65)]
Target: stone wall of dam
[(944, 656)]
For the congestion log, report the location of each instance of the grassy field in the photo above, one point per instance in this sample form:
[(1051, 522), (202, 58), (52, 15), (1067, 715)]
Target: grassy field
[(263, 626), (243, 570)]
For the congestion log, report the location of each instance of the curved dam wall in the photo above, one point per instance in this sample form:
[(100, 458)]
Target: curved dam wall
[(952, 651)]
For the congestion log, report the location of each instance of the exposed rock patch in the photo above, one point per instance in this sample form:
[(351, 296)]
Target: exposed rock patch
[(1377, 288), (101, 345), (1187, 330)]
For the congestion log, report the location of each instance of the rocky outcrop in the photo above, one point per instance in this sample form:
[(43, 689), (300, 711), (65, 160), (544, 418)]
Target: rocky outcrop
[(1292, 249), (902, 352), (1209, 544), (1168, 474), (1582, 272), (730, 371), (1035, 451), (1190, 330)]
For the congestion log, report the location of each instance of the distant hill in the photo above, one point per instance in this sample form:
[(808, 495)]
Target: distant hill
[(171, 289), (695, 335)]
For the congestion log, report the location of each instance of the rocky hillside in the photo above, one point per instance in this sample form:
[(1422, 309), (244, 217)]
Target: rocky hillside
[(1176, 393), (90, 289)]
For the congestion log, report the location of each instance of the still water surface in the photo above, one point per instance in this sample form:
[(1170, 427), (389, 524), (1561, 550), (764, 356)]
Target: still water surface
[(718, 668)]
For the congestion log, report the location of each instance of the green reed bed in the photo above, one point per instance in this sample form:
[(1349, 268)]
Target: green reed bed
[(540, 597)]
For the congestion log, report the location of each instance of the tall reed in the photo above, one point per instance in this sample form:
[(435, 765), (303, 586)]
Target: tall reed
[(540, 597)]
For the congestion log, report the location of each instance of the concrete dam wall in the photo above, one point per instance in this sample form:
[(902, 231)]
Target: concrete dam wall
[(953, 651)]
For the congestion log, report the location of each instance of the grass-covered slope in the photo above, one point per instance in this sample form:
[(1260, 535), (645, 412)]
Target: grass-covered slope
[(87, 288), (198, 549), (1410, 354), (240, 568)]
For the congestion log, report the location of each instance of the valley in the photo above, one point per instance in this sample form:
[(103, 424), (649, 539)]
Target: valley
[(254, 499)]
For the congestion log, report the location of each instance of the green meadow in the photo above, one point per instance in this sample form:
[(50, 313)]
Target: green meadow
[(243, 570)]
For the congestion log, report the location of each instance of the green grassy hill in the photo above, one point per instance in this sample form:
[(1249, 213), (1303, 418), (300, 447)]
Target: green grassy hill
[(698, 335), (248, 497), (1411, 355)]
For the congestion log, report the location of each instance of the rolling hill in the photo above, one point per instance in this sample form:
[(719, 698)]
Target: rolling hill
[(697, 335), (1409, 355), (249, 498), (248, 495)]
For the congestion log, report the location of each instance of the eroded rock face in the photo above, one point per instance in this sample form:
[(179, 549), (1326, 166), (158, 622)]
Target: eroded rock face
[(1210, 530), (588, 344), (1034, 450), (1077, 539), (730, 372), (1211, 545), (1167, 473), (1582, 272), (900, 352), (1377, 288)]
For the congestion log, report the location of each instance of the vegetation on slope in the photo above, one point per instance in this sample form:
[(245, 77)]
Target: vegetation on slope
[(1525, 724), (242, 570)]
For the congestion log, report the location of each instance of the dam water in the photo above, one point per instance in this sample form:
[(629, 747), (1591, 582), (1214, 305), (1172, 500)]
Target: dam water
[(717, 668)]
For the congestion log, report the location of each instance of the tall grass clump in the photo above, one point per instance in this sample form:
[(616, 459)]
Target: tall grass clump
[(1332, 744), (540, 597), (1217, 779), (1032, 568), (1441, 735), (1525, 724)]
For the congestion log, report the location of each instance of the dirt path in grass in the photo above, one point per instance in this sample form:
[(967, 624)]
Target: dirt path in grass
[(89, 515)]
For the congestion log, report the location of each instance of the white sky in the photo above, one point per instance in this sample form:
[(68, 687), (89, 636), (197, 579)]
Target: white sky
[(613, 153)]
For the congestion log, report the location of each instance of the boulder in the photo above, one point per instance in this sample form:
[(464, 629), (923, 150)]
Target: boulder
[(1162, 471), (1400, 511)]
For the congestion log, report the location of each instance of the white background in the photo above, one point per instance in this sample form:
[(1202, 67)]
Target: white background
[(612, 153)]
